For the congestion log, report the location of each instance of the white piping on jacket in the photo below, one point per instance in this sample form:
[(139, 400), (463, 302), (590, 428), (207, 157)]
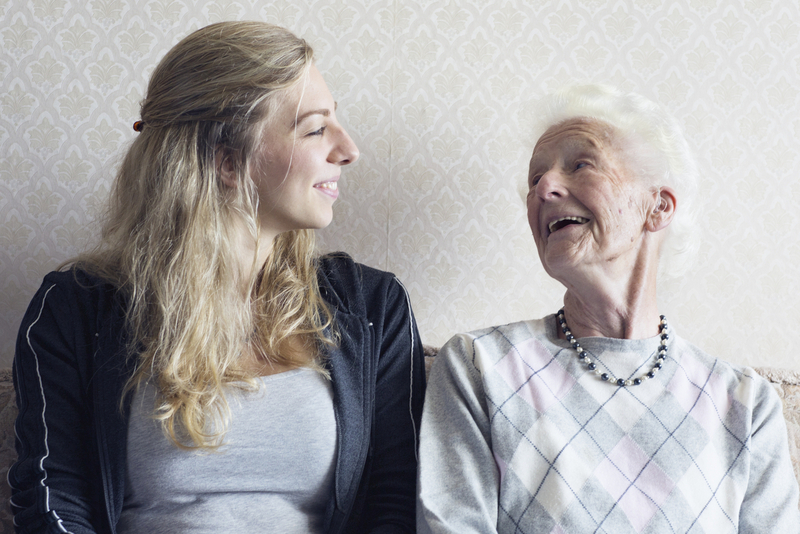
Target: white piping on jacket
[(411, 384), (44, 421)]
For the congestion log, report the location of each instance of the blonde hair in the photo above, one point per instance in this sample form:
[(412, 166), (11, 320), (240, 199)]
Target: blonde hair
[(170, 243)]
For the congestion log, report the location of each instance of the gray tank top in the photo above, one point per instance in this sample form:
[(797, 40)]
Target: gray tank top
[(275, 473)]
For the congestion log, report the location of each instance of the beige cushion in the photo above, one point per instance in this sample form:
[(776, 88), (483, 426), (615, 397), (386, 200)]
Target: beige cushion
[(787, 384), (8, 413)]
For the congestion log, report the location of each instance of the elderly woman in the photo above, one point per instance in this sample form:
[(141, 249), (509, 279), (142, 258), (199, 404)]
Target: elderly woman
[(599, 418)]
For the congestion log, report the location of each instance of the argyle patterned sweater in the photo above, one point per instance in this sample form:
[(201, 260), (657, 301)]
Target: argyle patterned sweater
[(519, 437)]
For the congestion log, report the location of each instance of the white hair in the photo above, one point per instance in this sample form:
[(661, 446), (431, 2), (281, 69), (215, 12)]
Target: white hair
[(655, 146)]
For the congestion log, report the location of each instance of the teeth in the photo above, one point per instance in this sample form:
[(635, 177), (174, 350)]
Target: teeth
[(333, 186), (579, 220)]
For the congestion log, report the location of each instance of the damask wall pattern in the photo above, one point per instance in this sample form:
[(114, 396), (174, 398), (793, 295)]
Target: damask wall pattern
[(439, 95)]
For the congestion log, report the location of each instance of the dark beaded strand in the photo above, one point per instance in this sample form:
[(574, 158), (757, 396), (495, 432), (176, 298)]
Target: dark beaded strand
[(583, 356)]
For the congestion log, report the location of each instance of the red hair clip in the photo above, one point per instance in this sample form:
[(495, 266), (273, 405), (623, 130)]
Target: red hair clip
[(138, 126)]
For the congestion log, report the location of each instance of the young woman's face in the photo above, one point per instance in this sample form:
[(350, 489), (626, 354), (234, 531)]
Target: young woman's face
[(298, 163)]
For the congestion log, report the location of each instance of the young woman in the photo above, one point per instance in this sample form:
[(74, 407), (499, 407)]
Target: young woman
[(201, 370)]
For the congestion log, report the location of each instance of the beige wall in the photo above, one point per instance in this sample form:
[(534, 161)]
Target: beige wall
[(436, 94)]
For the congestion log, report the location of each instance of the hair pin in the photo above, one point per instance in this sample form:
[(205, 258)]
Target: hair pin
[(138, 126)]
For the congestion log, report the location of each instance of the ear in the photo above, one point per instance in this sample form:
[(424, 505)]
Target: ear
[(664, 210), (226, 168)]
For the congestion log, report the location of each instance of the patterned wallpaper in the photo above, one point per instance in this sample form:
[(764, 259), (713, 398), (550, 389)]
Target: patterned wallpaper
[(437, 94)]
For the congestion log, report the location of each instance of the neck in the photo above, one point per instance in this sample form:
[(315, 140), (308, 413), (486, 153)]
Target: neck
[(617, 307), (252, 259)]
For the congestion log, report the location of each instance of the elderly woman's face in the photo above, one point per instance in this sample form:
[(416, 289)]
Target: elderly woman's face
[(585, 207)]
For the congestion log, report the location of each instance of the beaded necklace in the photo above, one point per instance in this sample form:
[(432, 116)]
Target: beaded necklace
[(606, 377)]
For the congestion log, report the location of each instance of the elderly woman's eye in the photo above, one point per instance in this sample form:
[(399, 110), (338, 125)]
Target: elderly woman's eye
[(580, 165)]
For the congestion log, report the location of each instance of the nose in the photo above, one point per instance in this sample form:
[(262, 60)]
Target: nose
[(345, 152), (550, 185)]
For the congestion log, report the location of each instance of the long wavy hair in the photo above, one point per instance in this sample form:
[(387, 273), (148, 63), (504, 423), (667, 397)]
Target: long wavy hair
[(172, 236)]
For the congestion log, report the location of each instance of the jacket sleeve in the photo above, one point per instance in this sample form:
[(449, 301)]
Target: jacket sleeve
[(50, 482), (771, 500), (399, 394), (458, 475)]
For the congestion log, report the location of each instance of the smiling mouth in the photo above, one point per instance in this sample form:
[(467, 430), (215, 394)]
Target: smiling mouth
[(330, 186), (558, 224)]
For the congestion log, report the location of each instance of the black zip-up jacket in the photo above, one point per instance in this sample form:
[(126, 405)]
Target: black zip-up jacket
[(70, 369)]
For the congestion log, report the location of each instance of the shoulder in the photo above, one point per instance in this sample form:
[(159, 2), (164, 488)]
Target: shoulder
[(340, 268), (482, 349), (712, 374), (505, 337), (75, 287), (352, 286), (692, 356), (71, 298), (71, 316)]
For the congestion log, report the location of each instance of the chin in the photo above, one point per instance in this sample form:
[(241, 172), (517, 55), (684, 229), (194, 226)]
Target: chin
[(558, 263), (321, 223)]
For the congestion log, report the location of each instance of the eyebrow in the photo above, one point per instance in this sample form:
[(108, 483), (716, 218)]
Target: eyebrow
[(324, 112), (579, 148)]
